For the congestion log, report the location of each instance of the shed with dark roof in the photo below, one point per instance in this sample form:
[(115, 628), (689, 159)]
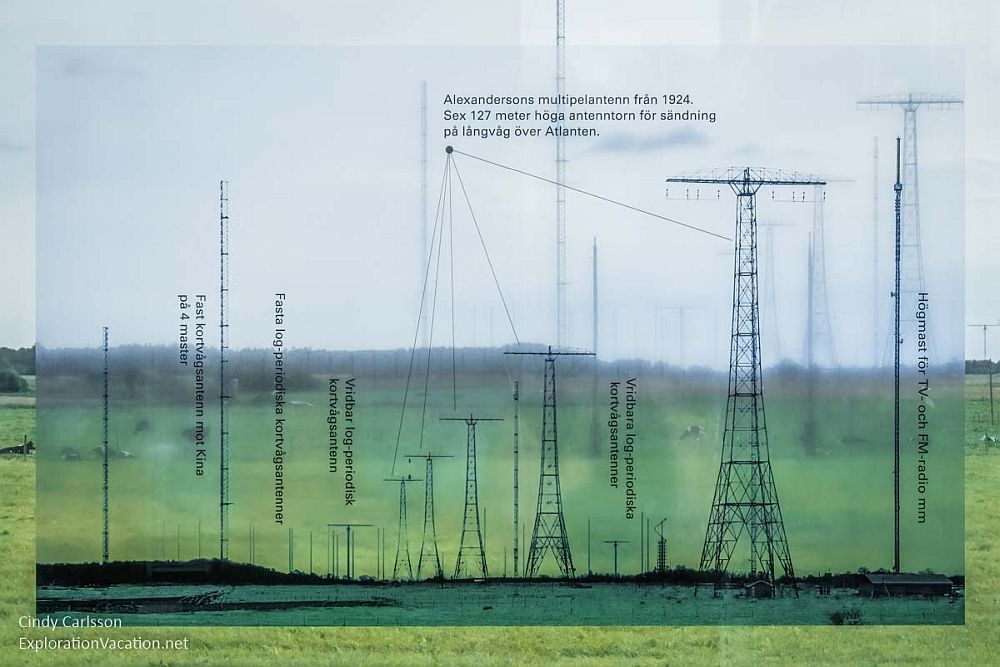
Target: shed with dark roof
[(896, 585), (760, 588)]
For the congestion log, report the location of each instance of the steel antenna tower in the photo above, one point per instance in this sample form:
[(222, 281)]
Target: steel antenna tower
[(681, 330), (897, 343), (402, 542), (549, 533), (769, 298), (467, 548), (223, 375), (517, 518), (661, 546), (428, 543), (911, 263), (746, 498), (820, 344), (104, 398), (560, 176), (989, 364)]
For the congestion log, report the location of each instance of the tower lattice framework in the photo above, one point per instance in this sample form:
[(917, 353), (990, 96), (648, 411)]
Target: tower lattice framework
[(430, 556), (402, 543), (745, 501), (819, 345), (471, 548), (549, 534), (911, 266), (402, 565)]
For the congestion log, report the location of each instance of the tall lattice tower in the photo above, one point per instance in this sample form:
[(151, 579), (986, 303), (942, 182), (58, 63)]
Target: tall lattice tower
[(769, 294), (402, 542), (471, 546), (911, 255), (819, 344), (746, 498), (429, 553), (549, 533), (223, 374)]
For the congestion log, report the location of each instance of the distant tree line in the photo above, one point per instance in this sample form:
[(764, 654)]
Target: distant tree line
[(981, 366), (11, 380), (138, 370), (14, 364), (21, 359), (154, 372)]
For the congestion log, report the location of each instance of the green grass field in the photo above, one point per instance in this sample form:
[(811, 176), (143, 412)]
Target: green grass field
[(976, 643), (834, 502)]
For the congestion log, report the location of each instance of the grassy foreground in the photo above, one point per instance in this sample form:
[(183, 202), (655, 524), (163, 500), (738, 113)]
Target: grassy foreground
[(977, 642)]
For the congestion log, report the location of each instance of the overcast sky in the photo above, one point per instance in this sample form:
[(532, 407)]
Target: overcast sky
[(121, 126), (321, 149)]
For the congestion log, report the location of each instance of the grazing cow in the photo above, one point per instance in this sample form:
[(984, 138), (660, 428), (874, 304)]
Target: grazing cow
[(113, 453), (989, 439), (69, 454), (25, 448), (696, 432)]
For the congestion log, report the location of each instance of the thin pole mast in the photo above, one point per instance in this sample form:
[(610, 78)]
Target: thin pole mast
[(516, 475), (595, 433), (898, 188), (223, 347), (593, 271), (989, 366), (104, 397), (876, 329), (560, 177), (423, 196), (589, 569)]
